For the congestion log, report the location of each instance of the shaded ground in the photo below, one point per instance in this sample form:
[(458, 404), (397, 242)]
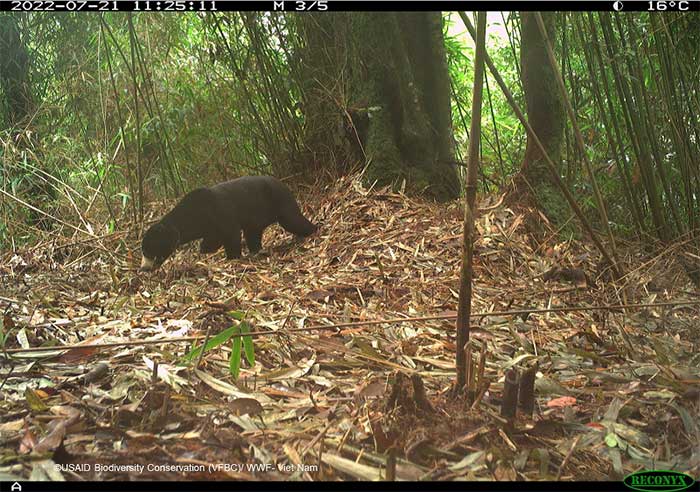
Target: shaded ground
[(615, 391)]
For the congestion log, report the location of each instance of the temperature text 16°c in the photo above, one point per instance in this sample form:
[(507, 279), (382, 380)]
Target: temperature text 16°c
[(661, 5)]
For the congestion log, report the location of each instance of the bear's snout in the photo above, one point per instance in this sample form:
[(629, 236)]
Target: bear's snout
[(147, 264)]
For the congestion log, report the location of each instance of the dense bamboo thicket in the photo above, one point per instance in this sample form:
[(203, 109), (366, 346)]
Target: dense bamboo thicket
[(102, 114), (105, 113)]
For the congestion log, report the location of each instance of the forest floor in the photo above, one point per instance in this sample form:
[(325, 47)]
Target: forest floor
[(616, 390)]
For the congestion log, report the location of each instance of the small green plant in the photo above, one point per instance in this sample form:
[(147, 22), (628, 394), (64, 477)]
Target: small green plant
[(240, 333), (3, 337), (5, 329)]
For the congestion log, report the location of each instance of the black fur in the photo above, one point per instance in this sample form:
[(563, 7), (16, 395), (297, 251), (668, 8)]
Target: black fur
[(220, 213)]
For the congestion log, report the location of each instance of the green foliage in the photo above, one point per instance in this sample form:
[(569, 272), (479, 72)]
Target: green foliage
[(241, 339), (242, 330), (136, 107), (6, 328), (503, 137), (133, 108), (3, 336)]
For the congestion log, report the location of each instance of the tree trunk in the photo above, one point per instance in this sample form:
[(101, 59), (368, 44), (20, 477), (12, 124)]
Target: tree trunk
[(390, 80), (545, 110), (322, 58)]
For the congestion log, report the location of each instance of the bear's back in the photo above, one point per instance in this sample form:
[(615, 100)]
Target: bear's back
[(255, 200)]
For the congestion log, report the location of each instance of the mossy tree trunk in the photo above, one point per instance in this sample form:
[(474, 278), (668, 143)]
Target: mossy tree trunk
[(322, 60), (545, 112), (389, 79)]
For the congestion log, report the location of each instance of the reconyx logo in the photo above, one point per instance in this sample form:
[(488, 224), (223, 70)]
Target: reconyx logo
[(658, 480)]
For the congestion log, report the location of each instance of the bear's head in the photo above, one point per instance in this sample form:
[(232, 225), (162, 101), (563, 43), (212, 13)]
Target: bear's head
[(159, 242)]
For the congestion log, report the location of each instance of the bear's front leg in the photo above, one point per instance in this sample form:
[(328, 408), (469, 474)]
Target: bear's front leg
[(210, 244)]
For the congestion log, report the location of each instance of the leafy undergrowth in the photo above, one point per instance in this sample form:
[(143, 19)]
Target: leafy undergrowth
[(615, 391)]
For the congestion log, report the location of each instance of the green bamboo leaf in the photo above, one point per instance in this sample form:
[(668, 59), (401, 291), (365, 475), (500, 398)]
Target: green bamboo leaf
[(248, 346), (611, 440), (214, 341), (235, 360), (239, 315)]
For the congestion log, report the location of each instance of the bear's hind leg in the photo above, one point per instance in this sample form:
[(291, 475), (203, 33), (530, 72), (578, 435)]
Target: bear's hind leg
[(210, 244), (253, 238), (293, 221)]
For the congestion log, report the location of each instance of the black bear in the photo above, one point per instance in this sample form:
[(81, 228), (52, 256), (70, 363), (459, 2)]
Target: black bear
[(219, 213)]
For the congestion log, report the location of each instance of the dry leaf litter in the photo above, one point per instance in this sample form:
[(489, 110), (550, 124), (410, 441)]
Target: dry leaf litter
[(616, 391)]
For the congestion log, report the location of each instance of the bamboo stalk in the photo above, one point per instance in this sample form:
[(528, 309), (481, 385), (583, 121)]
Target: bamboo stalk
[(579, 140), (467, 270), (547, 159)]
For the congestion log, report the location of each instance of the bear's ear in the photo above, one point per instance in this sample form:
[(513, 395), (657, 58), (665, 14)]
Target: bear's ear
[(161, 235), (157, 230), (171, 236)]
